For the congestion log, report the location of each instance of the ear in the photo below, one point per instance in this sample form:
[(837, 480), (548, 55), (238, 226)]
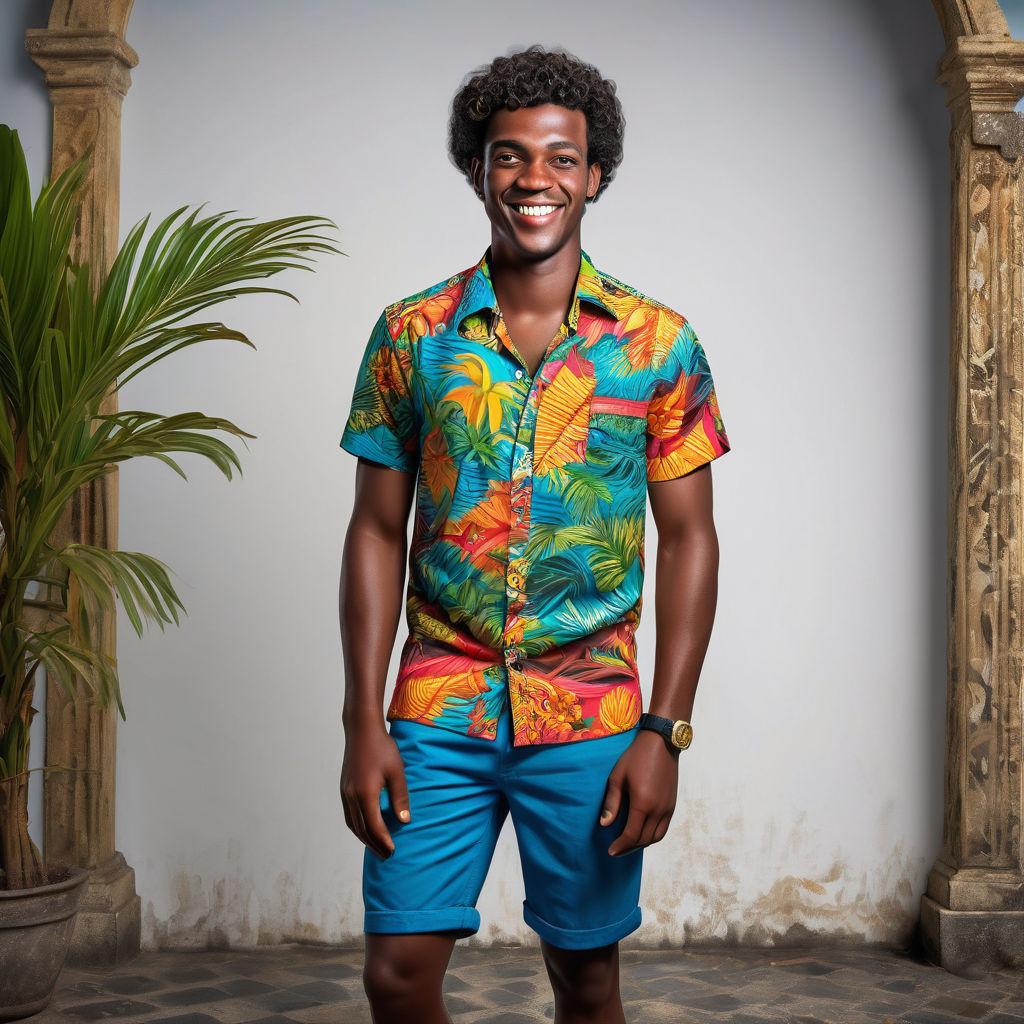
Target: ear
[(476, 172), (593, 180)]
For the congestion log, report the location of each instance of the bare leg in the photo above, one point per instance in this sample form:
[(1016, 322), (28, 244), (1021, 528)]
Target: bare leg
[(402, 976), (585, 983)]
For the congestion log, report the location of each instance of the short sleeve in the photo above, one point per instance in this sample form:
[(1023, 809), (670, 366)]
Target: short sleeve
[(684, 424), (381, 425)]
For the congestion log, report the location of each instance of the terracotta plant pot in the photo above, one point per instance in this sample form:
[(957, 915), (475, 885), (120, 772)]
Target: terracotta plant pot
[(35, 930)]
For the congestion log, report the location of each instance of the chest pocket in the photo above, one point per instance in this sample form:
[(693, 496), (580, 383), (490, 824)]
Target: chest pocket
[(617, 444), (617, 454), (617, 426)]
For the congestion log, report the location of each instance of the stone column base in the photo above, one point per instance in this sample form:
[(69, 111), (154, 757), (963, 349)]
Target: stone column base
[(109, 923), (972, 942)]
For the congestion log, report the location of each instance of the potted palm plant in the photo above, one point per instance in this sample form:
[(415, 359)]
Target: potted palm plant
[(64, 346)]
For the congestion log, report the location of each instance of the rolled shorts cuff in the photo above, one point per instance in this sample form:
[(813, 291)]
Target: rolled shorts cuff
[(591, 938), (465, 919)]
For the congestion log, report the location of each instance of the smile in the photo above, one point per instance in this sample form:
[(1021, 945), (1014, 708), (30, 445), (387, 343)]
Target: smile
[(533, 211)]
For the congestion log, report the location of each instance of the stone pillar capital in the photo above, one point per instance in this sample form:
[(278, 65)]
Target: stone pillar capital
[(75, 59), (982, 75)]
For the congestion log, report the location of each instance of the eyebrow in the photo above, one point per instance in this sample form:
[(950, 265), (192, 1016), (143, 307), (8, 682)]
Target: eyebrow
[(513, 144)]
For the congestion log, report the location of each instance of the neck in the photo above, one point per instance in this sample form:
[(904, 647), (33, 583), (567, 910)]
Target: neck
[(534, 286)]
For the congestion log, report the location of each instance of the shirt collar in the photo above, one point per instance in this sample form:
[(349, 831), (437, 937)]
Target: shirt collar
[(478, 295), (591, 286)]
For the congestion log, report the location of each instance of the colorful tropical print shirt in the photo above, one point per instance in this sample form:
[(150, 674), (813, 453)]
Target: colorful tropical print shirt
[(527, 559)]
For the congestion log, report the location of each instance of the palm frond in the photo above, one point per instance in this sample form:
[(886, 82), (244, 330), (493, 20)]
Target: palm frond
[(65, 662), (142, 581), (33, 250)]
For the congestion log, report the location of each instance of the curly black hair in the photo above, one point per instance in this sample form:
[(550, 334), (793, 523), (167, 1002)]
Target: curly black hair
[(528, 78)]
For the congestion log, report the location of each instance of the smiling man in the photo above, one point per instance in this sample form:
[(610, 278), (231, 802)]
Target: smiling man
[(529, 405)]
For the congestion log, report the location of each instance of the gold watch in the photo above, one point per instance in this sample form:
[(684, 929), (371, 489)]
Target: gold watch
[(678, 734)]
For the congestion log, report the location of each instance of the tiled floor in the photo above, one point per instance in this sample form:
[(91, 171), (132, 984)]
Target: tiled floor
[(508, 985)]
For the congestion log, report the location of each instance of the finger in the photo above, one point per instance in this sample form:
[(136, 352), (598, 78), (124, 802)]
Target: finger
[(398, 790), (350, 819), (612, 798), (344, 806), (647, 832), (358, 825), (376, 830), (360, 829), (627, 838), (659, 832)]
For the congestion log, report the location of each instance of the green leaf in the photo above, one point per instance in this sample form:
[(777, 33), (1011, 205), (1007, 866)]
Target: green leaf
[(67, 662), (142, 581)]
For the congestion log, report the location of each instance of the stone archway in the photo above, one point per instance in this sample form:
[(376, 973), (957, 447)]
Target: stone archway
[(973, 911), (974, 907)]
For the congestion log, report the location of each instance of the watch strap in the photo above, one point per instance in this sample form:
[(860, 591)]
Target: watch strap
[(657, 722), (665, 726)]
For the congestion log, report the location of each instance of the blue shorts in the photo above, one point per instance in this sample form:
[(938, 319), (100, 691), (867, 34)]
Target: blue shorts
[(461, 788)]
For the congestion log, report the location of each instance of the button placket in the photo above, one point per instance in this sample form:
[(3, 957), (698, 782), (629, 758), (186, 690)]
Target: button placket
[(520, 496)]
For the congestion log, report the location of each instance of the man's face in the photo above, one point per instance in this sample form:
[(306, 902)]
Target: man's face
[(534, 178)]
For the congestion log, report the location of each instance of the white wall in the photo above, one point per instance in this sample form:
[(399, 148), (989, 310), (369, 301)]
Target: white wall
[(785, 187)]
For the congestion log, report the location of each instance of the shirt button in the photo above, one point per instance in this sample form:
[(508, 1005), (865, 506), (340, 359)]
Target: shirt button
[(519, 374)]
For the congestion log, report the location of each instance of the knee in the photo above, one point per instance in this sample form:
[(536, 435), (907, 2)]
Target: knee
[(588, 982), (392, 980), (387, 980)]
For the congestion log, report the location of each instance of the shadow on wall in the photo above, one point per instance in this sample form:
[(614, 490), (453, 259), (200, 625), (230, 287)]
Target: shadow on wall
[(23, 86), (913, 37)]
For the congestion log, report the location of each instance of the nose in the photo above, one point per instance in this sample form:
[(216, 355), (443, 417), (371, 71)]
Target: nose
[(535, 176)]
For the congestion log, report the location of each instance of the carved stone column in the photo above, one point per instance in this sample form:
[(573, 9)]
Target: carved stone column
[(972, 915), (87, 62)]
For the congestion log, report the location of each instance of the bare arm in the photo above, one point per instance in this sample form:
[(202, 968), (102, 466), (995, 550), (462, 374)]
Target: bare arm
[(372, 590), (686, 589), (686, 592), (370, 600)]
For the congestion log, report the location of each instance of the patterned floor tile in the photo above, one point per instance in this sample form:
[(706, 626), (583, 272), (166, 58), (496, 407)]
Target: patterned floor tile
[(509, 985)]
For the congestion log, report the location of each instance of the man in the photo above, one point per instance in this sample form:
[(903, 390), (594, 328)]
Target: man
[(533, 402)]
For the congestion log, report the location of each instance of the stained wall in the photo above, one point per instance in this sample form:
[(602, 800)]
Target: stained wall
[(785, 186)]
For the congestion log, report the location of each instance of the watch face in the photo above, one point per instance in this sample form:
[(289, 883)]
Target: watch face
[(682, 734)]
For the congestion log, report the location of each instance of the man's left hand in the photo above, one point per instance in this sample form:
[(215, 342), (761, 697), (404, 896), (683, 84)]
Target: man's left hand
[(649, 773)]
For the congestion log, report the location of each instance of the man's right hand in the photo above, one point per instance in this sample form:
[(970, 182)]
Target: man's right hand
[(372, 761)]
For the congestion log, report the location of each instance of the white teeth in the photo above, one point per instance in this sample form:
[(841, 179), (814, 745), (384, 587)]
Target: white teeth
[(535, 211)]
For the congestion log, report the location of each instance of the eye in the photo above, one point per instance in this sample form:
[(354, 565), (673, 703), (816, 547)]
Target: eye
[(568, 160), (501, 158)]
